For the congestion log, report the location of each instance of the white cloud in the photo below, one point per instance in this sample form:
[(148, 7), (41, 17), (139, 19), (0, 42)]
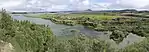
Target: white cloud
[(86, 2), (52, 5), (135, 3), (123, 4), (9, 3), (58, 7), (130, 4)]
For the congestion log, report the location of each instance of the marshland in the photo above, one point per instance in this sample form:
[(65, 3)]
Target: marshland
[(75, 32), (74, 26)]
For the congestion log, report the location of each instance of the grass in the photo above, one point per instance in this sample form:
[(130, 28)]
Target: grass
[(16, 45), (91, 16), (37, 15)]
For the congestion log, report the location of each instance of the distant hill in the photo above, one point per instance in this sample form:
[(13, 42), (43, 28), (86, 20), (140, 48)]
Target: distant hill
[(129, 10), (88, 10)]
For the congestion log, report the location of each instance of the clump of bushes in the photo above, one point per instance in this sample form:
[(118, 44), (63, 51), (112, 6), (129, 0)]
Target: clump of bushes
[(118, 36)]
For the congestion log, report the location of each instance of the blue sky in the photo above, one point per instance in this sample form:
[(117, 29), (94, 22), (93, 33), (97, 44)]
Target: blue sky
[(61, 5)]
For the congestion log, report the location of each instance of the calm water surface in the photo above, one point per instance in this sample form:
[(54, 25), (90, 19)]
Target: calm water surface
[(61, 30)]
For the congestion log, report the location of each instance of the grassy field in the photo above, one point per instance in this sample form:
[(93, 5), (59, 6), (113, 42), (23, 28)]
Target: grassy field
[(91, 16)]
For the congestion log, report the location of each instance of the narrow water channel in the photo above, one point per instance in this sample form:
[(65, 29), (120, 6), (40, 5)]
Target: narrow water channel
[(61, 30)]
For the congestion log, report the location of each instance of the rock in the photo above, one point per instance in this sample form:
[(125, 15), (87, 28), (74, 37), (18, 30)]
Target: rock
[(6, 47)]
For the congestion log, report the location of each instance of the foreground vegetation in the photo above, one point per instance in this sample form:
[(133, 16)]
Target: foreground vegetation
[(28, 37)]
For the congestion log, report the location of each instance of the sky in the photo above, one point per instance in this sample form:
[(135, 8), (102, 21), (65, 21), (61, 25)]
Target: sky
[(67, 5)]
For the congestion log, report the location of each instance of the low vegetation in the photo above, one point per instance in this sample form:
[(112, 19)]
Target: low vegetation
[(29, 37), (120, 26)]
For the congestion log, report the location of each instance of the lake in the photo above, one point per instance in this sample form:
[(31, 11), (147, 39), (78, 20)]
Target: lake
[(64, 30)]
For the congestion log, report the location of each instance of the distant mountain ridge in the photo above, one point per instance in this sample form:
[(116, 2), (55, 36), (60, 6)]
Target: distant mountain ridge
[(87, 11)]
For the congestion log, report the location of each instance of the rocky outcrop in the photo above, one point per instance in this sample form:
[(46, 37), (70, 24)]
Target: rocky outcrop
[(6, 47)]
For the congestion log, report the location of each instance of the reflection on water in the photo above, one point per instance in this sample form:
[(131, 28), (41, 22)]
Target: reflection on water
[(131, 38), (60, 30)]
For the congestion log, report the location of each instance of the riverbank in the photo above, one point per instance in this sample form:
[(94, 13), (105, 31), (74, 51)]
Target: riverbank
[(120, 26), (29, 37), (85, 40)]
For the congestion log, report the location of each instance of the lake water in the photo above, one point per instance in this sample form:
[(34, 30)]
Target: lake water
[(61, 30)]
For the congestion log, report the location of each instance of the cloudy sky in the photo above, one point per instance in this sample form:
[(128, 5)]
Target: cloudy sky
[(64, 5)]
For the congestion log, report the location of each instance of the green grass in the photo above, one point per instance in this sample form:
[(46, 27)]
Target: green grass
[(16, 45), (37, 15), (91, 16)]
